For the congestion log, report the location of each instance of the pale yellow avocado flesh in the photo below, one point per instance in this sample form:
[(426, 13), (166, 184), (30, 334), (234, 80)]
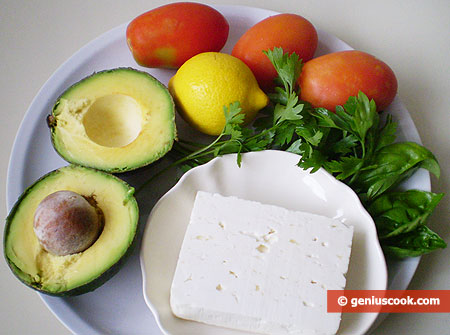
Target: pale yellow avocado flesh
[(115, 121), (54, 274)]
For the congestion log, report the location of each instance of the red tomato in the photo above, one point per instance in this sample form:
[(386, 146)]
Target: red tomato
[(329, 80), (291, 32), (169, 35)]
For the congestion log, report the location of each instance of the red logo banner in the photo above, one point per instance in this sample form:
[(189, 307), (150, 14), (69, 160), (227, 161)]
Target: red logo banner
[(388, 301)]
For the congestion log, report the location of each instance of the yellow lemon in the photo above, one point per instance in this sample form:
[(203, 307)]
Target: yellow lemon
[(207, 82)]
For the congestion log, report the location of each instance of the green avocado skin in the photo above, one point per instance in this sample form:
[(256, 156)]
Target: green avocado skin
[(102, 277), (140, 160)]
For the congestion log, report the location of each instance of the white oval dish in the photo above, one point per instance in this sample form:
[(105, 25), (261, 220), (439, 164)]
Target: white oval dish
[(270, 177), (32, 156)]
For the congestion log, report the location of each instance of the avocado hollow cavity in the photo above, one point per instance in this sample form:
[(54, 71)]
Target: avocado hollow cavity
[(114, 120)]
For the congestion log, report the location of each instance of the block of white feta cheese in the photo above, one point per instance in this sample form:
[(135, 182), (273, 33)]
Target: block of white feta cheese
[(259, 268)]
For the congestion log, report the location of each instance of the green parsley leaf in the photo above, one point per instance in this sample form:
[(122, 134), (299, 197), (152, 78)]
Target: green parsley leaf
[(288, 67)]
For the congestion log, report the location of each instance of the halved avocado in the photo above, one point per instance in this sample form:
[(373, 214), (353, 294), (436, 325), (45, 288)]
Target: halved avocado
[(114, 120), (84, 271)]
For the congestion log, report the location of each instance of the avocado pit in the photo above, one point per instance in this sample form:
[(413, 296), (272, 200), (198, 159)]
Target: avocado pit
[(66, 223)]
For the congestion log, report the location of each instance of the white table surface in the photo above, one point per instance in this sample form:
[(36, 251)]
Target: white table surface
[(412, 36)]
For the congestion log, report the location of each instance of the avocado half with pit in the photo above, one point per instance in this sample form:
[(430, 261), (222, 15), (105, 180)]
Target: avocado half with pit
[(114, 120), (80, 272)]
